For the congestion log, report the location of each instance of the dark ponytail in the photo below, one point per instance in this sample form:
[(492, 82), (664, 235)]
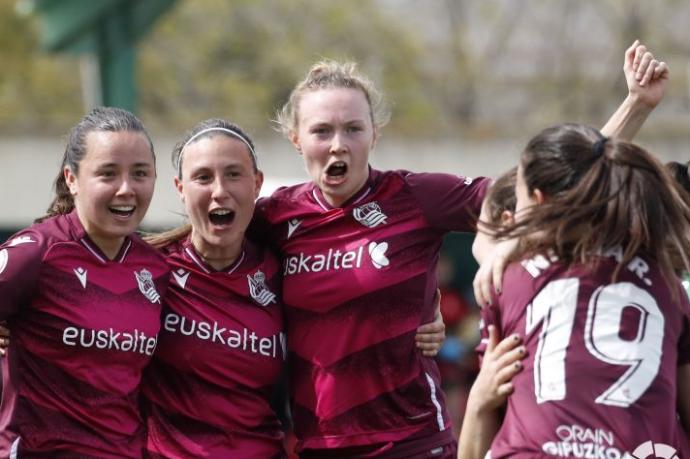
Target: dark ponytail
[(601, 194), (63, 202), (105, 119), (679, 171)]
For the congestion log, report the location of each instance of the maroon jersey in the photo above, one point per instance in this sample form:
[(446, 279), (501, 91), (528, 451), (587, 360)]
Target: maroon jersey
[(83, 328), (358, 281), (599, 379), (221, 351)]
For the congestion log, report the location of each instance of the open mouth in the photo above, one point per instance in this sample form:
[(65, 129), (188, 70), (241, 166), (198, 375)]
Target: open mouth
[(122, 211), (337, 169), (221, 216)]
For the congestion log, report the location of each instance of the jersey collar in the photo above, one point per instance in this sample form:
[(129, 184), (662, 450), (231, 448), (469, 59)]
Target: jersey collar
[(84, 239), (362, 194), (194, 257)]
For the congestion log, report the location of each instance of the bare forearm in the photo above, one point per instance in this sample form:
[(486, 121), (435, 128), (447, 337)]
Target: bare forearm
[(627, 120), (482, 246), (478, 430), (483, 242)]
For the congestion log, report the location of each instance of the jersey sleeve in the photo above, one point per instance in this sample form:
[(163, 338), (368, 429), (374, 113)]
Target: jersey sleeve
[(20, 264), (449, 202)]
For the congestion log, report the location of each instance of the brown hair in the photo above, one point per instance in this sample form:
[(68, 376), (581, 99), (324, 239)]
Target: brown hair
[(163, 239), (209, 124), (328, 75), (600, 194), (103, 119), (679, 171), (501, 198)]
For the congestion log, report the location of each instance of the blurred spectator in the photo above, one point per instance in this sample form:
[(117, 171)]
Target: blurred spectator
[(456, 359)]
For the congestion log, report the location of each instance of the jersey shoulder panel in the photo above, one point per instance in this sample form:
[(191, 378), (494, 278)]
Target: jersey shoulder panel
[(141, 246), (21, 259), (286, 202), (449, 202)]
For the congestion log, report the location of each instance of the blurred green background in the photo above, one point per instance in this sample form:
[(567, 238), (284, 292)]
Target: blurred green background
[(467, 81), (448, 67)]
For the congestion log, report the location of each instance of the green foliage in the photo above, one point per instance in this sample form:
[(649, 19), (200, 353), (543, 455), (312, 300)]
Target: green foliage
[(37, 91), (241, 59), (463, 67)]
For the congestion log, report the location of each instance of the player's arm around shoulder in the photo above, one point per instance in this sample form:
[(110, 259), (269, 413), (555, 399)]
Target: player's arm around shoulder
[(20, 263)]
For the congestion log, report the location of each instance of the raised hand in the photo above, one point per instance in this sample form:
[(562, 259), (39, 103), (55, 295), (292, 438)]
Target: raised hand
[(646, 76)]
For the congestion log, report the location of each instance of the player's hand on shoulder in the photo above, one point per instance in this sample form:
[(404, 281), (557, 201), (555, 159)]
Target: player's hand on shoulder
[(489, 277), (501, 362)]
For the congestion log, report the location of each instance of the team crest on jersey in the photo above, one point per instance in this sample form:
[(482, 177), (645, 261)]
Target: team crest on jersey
[(146, 285), (369, 215), (258, 289)]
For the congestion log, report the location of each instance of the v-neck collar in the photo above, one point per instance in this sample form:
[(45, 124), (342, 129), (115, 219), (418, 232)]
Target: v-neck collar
[(359, 196), (198, 260), (84, 239)]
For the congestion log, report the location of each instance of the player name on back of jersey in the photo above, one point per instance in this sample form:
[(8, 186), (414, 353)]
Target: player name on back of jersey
[(135, 341), (538, 264), (274, 346)]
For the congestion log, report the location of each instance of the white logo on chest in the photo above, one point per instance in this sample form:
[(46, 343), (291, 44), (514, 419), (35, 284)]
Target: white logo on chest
[(377, 252), (146, 285), (21, 240), (369, 215), (336, 260), (258, 289), (4, 256), (180, 277), (81, 275), (292, 226)]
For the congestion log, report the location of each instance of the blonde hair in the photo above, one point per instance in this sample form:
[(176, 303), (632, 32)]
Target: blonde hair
[(331, 74)]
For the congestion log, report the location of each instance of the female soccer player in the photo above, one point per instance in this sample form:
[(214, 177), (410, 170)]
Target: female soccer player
[(605, 321), (223, 344), (377, 233), (82, 296)]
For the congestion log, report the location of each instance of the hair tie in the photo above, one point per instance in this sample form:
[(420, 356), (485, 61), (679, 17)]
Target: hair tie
[(600, 146), (211, 129)]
